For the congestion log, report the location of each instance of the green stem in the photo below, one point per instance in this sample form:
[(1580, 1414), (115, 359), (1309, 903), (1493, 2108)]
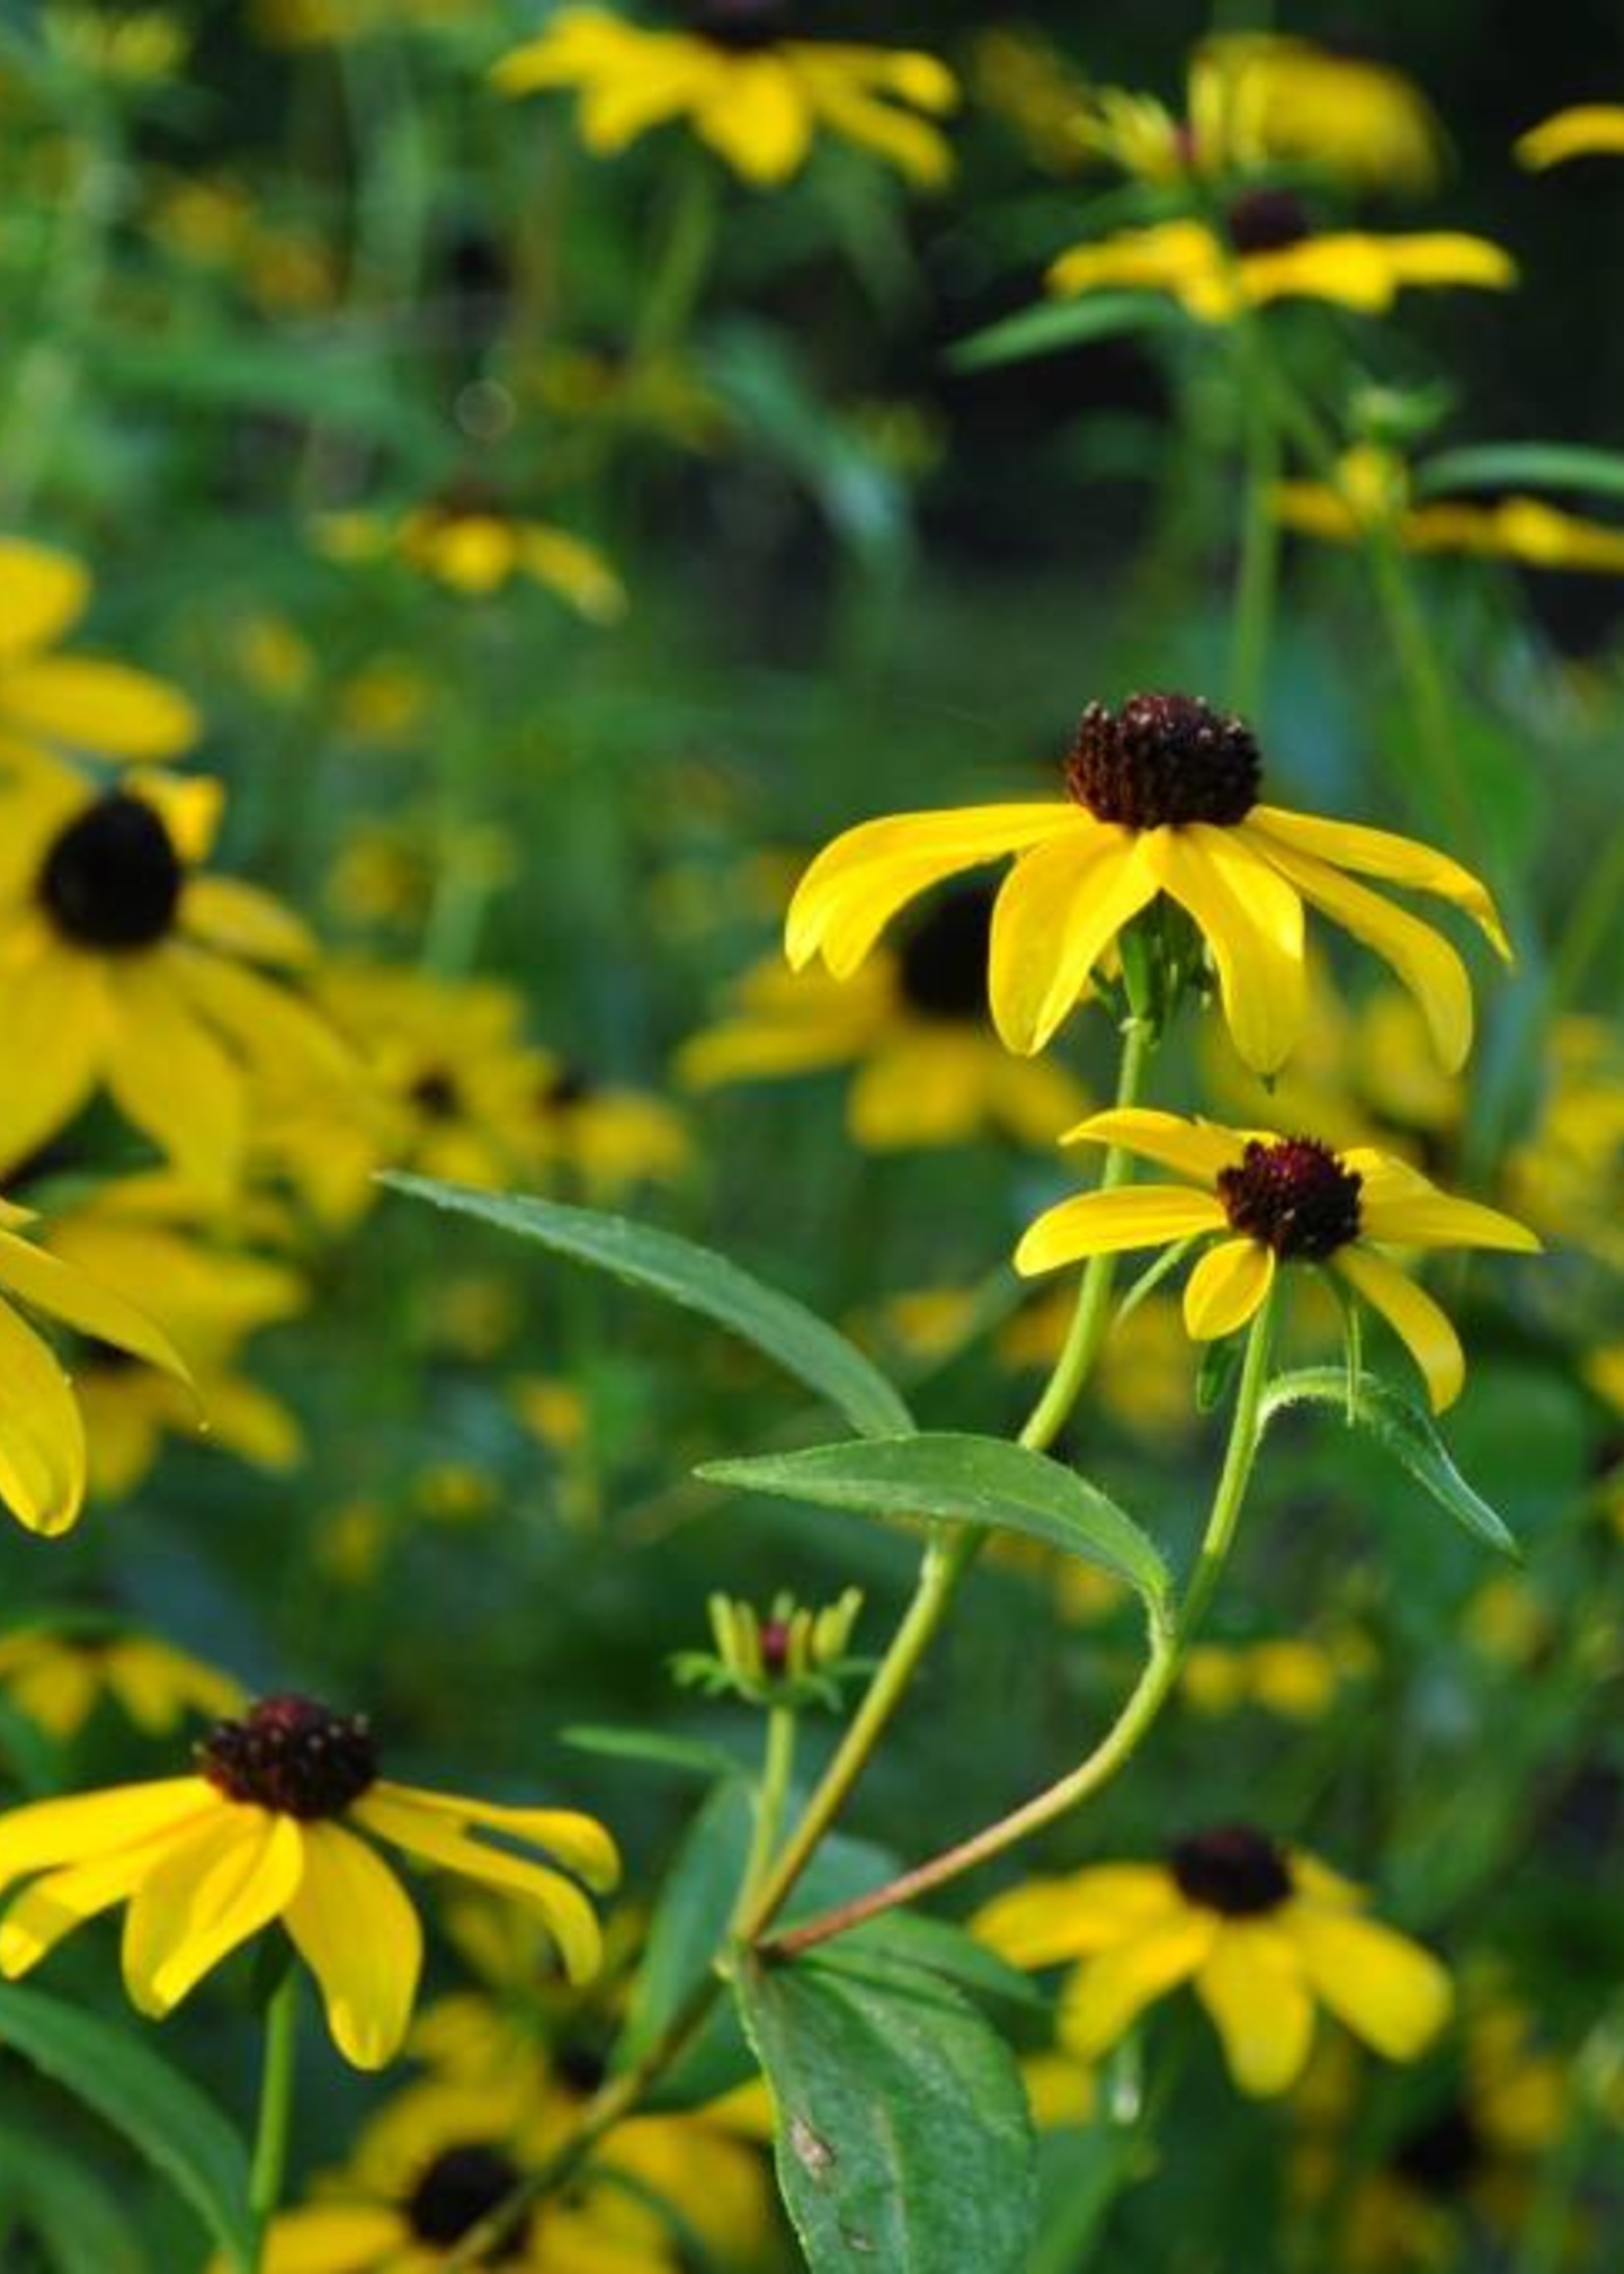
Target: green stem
[(1170, 1640), (946, 1561), (1426, 690), (684, 260), (270, 2140), (1259, 572), (772, 1798)]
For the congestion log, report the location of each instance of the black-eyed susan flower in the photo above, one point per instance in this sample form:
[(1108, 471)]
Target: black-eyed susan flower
[(1163, 800), (790, 1656), (1297, 1677), (1585, 130), (751, 93), (475, 547), (1265, 1934), (69, 701), (43, 1456), (599, 1138), (1276, 1200), (1371, 493), (929, 1073), (121, 963), (267, 1830), (1273, 254), (58, 1675)]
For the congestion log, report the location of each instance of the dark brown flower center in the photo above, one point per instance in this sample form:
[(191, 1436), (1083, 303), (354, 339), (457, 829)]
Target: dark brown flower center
[(293, 1756), (741, 25), (112, 880), (1162, 760), (1231, 1869), (1295, 1196), (571, 1085), (461, 2186), (435, 1095), (941, 966), (1265, 220), (1443, 2154)]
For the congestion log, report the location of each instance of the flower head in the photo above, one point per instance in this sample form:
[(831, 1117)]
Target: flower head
[(472, 545), (59, 1676), (791, 1657), (1275, 1200), (71, 702), (268, 1829), (752, 93), (1371, 491), (1264, 1933), (1165, 799)]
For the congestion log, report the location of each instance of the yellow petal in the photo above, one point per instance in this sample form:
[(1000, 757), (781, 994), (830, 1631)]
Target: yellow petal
[(217, 1884), (1046, 1920), (1167, 257), (1111, 1223), (89, 1824), (360, 1937), (44, 1283), (1226, 1288), (577, 43), (1201, 1149), (241, 920), (918, 150), (1585, 130), (1384, 1987), (1433, 1219), (857, 884), (170, 1077), (1032, 1099), (1059, 908), (579, 1843), (1113, 1988), (41, 593), (335, 2239), (575, 570), (1422, 958), (1253, 922), (53, 1906), (102, 707), (1378, 853), (1418, 1322), (41, 1434), (54, 1011), (924, 1089), (273, 1028), (1252, 1984), (756, 115)]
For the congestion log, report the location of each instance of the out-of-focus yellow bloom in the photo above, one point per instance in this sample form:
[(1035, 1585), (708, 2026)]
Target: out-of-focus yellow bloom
[(1567, 1174), (73, 702), (656, 394), (1371, 492), (913, 1022), (341, 23), (454, 1492), (276, 660), (130, 47), (149, 1240), (557, 1416), (384, 701), (478, 551), (1213, 281), (267, 1831), (1605, 1371), (601, 1139), (392, 869), (121, 963), (58, 1678), (758, 101), (473, 1316), (1292, 1676), (1508, 1622), (1587, 129), (1025, 80), (1144, 1376), (1264, 1933)]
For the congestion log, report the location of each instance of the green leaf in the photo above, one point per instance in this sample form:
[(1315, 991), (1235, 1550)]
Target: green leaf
[(1215, 1370), (961, 1480), (77, 2223), (903, 2140), (1407, 1433), (1538, 465), (1061, 324), (936, 1947), (158, 2111), (697, 1279), (682, 1756)]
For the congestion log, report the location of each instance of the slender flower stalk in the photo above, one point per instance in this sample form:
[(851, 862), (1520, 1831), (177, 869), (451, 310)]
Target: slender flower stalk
[(269, 2173)]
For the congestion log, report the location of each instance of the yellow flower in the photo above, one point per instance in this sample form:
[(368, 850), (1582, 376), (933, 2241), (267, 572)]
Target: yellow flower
[(121, 963), (601, 1138), (1278, 1200), (929, 1072), (1587, 129), (1144, 1377), (1294, 1676), (477, 551), (71, 702), (59, 1678), (1265, 1934), (341, 23), (262, 1833), (42, 1457), (1371, 491), (1273, 257), (758, 101), (1163, 800), (1567, 1174), (1026, 81)]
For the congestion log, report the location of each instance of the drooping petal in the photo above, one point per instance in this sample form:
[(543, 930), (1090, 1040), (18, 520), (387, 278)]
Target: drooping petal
[(857, 884), (1584, 130), (1252, 1984), (924, 1089), (617, 108), (219, 1884), (44, 1283), (41, 593), (918, 150), (54, 1007), (579, 1843), (1111, 1223), (1378, 853), (42, 1452), (1045, 1920), (1057, 911), (337, 2239), (360, 1937), (577, 44), (47, 1833), (1253, 922), (1418, 1322), (1384, 1987), (1435, 1219), (270, 1026), (568, 1915), (1169, 256), (757, 116), (241, 920), (1422, 958), (53, 1906), (172, 1078), (1200, 1149), (1113, 1988), (87, 704), (1226, 1288)]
